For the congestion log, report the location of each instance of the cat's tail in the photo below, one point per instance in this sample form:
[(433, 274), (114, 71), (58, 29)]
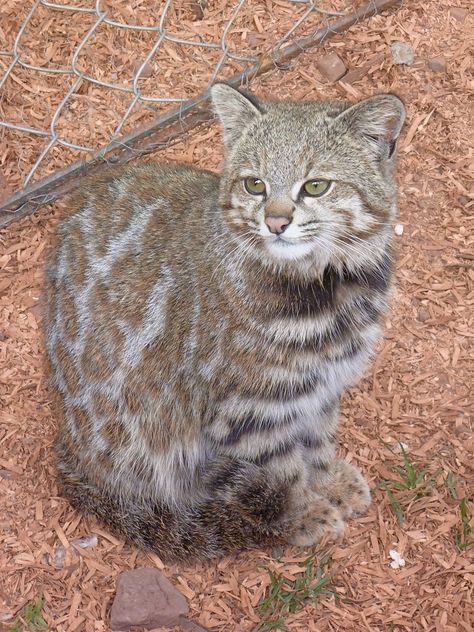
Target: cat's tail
[(209, 529)]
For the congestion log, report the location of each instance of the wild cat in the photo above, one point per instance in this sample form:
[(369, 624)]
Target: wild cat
[(201, 328)]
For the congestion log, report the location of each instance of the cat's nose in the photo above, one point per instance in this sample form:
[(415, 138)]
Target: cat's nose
[(277, 225)]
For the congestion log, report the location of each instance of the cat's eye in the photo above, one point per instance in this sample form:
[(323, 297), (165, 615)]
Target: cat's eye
[(254, 186), (316, 188)]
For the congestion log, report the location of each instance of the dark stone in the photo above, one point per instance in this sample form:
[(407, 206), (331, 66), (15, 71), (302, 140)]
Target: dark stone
[(145, 597)]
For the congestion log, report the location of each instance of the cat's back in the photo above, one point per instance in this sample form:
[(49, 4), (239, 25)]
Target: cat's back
[(110, 205), (124, 231), (124, 256)]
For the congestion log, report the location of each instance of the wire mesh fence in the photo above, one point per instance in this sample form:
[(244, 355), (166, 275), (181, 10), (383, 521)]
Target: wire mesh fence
[(85, 83)]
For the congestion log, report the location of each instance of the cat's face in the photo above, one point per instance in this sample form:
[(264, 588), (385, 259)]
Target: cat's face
[(309, 181)]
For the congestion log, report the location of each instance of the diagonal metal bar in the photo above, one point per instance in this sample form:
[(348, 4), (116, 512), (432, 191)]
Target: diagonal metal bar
[(166, 128)]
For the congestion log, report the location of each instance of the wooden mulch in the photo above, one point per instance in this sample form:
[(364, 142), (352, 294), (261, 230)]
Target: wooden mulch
[(418, 391)]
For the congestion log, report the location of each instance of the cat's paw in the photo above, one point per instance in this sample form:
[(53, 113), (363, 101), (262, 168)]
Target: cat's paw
[(347, 490), (316, 519)]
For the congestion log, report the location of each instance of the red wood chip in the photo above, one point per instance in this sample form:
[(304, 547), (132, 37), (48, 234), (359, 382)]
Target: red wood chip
[(418, 391)]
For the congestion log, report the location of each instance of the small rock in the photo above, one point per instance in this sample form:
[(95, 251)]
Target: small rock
[(146, 72), (331, 66), (423, 315), (437, 64), (462, 430), (145, 597), (402, 53), (6, 474), (86, 542), (398, 229), (458, 13)]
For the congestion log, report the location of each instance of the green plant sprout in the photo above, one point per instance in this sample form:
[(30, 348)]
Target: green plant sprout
[(31, 617), (410, 479), (464, 534), (286, 596)]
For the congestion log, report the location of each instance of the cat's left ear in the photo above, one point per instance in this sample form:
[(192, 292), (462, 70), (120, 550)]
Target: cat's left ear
[(379, 120), (234, 109)]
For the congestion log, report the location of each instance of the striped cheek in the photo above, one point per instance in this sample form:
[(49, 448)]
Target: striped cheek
[(353, 211)]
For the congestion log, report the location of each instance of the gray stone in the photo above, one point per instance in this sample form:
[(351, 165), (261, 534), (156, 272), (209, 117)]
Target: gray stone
[(437, 64), (331, 67), (145, 597), (402, 53)]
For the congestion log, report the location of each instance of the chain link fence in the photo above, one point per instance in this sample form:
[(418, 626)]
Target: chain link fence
[(154, 91)]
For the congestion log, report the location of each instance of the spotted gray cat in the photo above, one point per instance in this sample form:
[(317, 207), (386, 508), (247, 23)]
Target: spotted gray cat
[(202, 328)]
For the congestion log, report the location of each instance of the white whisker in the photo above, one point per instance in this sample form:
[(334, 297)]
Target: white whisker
[(244, 241)]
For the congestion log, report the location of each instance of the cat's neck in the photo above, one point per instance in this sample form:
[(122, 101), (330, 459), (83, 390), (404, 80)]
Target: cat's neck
[(270, 291)]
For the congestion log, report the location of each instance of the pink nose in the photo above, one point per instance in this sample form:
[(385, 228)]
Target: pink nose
[(277, 225)]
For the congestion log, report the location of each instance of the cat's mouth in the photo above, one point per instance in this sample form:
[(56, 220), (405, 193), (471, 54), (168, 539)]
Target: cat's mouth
[(282, 241), (282, 247)]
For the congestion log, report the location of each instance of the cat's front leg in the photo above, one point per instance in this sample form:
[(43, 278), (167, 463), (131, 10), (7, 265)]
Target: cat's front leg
[(276, 497), (345, 488), (332, 495), (340, 482), (311, 516), (281, 477)]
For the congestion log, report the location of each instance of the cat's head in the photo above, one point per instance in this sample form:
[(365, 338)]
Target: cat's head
[(309, 182)]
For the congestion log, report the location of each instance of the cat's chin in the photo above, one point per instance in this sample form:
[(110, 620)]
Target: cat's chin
[(282, 249)]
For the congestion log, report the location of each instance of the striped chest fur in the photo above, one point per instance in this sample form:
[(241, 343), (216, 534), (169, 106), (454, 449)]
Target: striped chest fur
[(288, 351)]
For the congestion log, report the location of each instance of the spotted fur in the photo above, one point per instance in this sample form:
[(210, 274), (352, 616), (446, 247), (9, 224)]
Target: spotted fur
[(198, 358)]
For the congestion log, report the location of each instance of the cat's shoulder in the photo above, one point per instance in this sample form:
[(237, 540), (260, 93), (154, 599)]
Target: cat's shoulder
[(108, 202)]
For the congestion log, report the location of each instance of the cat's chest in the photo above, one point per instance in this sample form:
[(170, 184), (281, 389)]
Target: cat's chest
[(288, 359), (285, 298)]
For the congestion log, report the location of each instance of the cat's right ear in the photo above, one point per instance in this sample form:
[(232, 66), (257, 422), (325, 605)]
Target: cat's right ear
[(235, 110)]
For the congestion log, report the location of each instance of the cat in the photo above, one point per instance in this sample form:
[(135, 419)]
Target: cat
[(201, 329)]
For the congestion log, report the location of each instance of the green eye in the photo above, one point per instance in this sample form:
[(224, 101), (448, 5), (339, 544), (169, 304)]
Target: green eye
[(316, 188), (254, 186)]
